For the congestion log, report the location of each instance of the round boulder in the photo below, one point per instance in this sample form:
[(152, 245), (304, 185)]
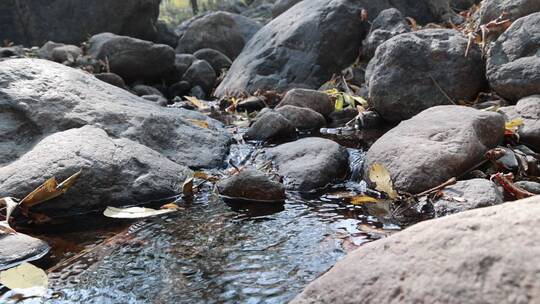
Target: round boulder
[(201, 73), (311, 99), (415, 71), (252, 185), (513, 65)]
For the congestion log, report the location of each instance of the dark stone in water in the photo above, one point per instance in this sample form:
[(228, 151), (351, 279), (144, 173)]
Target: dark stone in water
[(18, 248)]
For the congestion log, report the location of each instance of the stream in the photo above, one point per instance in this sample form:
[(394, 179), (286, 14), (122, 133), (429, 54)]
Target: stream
[(208, 253)]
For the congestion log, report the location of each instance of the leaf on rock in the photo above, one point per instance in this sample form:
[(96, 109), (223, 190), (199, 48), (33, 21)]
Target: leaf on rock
[(514, 124), (381, 177), (25, 276), (135, 212), (197, 103), (48, 190), (200, 123), (187, 187)]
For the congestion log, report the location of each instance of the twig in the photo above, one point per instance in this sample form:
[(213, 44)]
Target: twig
[(449, 182), (442, 91)]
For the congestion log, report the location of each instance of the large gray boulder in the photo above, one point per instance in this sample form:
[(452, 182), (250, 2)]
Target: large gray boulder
[(466, 195), (114, 171), (489, 255), (309, 163), (32, 22), (435, 145), (18, 248), (492, 9), (513, 65), (527, 109), (415, 71), (132, 58), (221, 31), (312, 40), (281, 6), (40, 97)]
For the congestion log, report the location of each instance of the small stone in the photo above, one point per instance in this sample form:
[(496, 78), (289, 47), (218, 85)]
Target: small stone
[(217, 60), (17, 248), (66, 53), (201, 73), (303, 119), (142, 90), (251, 104), (112, 79), (252, 184), (315, 100), (270, 125)]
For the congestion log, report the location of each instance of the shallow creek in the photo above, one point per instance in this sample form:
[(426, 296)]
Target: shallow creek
[(208, 253)]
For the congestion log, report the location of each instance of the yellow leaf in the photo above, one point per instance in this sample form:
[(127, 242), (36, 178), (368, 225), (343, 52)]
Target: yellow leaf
[(514, 124), (48, 190), (171, 206), (381, 177), (332, 92), (24, 276), (134, 212), (187, 187), (200, 123), (361, 101), (363, 199), (339, 103), (196, 102)]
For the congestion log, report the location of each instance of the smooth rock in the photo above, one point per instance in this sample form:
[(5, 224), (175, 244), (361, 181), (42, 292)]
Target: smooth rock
[(166, 34), (66, 53), (132, 58), (201, 73), (303, 119), (40, 97), (513, 64), (310, 163), (251, 104), (467, 195), (32, 22), (515, 9), (488, 255), (415, 71), (198, 92), (317, 101), (112, 78), (18, 248), (217, 60), (527, 109), (114, 171), (179, 89), (45, 52), (158, 99), (142, 89), (532, 187), (389, 23), (282, 5), (182, 62), (252, 184), (270, 125), (221, 31), (439, 143)]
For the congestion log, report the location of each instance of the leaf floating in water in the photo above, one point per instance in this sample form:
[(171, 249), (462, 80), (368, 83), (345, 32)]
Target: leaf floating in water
[(381, 177), (135, 212), (199, 123), (48, 190), (25, 276), (363, 199)]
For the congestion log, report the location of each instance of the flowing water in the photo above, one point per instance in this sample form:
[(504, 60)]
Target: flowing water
[(208, 253)]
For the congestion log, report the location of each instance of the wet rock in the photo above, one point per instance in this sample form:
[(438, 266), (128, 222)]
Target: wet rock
[(221, 31), (439, 143), (531, 187), (70, 98), (515, 9), (217, 60), (201, 73), (18, 248), (142, 89), (158, 99), (309, 163), (278, 57), (467, 195), (165, 34), (66, 53), (415, 71), (182, 62), (270, 125), (281, 6), (454, 259), (251, 104), (45, 52), (315, 100), (115, 171), (527, 109), (252, 184), (303, 119), (132, 58), (179, 89), (112, 78), (33, 22), (389, 23), (513, 65)]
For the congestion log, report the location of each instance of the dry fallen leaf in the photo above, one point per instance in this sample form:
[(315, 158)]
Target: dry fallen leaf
[(381, 177), (48, 190), (514, 124), (24, 276), (196, 102), (200, 123), (363, 199), (135, 212)]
